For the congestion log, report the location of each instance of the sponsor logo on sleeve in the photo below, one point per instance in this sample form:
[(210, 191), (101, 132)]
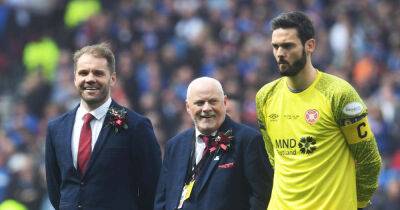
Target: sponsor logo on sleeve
[(353, 108)]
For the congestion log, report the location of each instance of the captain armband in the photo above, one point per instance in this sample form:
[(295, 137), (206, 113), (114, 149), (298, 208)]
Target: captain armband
[(357, 131)]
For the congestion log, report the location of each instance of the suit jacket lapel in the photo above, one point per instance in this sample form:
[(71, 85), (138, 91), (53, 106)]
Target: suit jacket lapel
[(105, 131), (69, 125), (184, 162), (210, 168), (215, 158)]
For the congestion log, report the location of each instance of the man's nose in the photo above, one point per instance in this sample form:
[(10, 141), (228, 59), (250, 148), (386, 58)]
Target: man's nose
[(206, 106), (280, 53), (90, 77)]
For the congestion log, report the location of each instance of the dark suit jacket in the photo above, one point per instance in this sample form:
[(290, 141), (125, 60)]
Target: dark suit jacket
[(246, 184), (122, 171)]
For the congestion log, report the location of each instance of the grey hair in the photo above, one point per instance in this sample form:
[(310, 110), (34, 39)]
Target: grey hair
[(201, 80)]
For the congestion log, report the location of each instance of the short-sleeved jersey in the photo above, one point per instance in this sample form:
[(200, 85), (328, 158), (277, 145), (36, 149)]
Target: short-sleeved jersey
[(314, 167)]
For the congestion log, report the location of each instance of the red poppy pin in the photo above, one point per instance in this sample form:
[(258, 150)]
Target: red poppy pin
[(222, 141), (117, 120)]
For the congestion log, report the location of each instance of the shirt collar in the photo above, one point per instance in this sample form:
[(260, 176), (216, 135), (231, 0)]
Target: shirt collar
[(98, 113), (198, 133)]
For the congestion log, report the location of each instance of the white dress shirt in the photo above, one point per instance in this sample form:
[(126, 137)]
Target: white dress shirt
[(96, 124)]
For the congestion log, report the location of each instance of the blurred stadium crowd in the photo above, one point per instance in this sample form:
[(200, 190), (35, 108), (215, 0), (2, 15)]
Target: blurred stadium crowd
[(160, 46)]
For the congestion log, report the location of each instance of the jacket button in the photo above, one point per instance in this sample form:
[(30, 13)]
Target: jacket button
[(79, 206), (82, 183)]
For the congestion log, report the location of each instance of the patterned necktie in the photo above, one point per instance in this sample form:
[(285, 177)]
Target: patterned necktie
[(85, 144), (206, 140)]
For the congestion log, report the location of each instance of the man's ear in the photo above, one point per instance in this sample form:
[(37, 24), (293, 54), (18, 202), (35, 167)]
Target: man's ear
[(310, 45), (187, 107), (225, 100), (113, 79)]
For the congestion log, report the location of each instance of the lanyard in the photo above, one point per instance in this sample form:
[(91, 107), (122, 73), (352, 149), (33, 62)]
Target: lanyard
[(195, 169)]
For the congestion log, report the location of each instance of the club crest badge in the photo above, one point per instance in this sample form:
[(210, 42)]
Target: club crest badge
[(312, 116)]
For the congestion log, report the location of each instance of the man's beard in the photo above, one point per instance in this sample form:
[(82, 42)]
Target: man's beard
[(295, 68), (97, 99)]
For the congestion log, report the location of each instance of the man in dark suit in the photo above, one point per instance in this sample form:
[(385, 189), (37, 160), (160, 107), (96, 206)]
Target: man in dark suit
[(219, 164), (100, 155)]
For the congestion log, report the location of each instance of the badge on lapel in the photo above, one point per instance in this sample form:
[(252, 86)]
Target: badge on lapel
[(222, 142), (117, 120)]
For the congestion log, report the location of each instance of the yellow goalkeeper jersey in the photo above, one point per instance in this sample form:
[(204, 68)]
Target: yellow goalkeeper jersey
[(314, 139)]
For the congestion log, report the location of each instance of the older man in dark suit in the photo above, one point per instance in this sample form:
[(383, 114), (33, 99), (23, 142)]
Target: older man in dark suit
[(100, 155), (219, 164)]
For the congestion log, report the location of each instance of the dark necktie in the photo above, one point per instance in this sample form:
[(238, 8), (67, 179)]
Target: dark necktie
[(85, 144), (206, 139)]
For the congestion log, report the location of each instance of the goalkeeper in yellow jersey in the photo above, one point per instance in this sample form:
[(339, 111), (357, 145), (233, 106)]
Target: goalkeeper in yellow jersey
[(315, 129)]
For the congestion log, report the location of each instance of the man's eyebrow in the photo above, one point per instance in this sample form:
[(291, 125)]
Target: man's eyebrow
[(283, 44)]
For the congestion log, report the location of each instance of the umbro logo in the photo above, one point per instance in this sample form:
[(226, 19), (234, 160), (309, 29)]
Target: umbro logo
[(273, 117)]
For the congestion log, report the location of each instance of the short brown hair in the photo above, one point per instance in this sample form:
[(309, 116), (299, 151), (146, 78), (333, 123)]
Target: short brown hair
[(102, 50)]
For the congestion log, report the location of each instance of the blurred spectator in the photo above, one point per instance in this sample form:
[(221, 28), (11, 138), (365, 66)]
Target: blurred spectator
[(35, 87), (12, 205), (340, 38), (4, 15), (78, 11), (24, 185), (364, 75), (233, 109), (63, 87), (380, 129), (22, 127), (41, 55), (6, 150)]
